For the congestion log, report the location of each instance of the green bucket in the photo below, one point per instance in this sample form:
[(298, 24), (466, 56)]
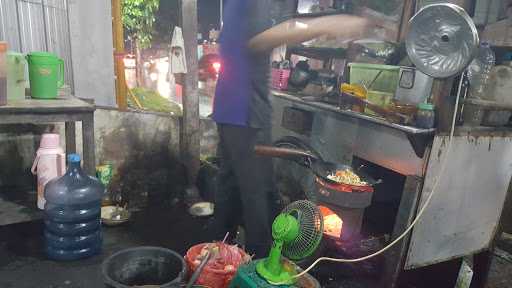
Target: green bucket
[(46, 74)]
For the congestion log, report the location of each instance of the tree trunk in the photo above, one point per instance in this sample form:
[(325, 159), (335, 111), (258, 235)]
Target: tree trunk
[(139, 66), (191, 136)]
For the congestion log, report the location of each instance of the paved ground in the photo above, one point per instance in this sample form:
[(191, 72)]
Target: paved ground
[(23, 263)]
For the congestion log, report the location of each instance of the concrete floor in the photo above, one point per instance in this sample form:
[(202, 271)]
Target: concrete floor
[(24, 265)]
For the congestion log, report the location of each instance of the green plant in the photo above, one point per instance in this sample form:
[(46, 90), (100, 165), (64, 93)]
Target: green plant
[(138, 19), (152, 101)]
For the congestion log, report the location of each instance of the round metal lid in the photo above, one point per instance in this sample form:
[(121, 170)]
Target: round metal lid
[(442, 40)]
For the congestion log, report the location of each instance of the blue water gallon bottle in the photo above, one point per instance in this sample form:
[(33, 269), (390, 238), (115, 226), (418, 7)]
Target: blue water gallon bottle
[(73, 214)]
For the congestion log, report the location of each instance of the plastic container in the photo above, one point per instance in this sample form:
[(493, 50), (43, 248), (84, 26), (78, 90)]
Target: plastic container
[(46, 73), (280, 78), (72, 214), (382, 99), (499, 87), (414, 87), (16, 82), (425, 117), (368, 75), (50, 163), (3, 73), (215, 274), (247, 277), (479, 71), (140, 266), (104, 173)]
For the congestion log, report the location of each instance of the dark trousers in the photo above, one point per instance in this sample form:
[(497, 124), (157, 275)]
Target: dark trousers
[(245, 193)]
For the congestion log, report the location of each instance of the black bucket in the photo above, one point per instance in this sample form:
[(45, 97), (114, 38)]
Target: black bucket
[(140, 266)]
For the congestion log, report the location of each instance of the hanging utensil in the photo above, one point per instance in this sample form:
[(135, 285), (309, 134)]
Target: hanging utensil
[(442, 40)]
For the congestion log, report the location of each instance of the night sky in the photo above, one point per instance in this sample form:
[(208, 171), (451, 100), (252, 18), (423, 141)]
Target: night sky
[(167, 16), (208, 15)]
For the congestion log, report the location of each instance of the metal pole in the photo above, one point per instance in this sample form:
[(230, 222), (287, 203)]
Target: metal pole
[(19, 25), (121, 93), (68, 30), (221, 13), (45, 28)]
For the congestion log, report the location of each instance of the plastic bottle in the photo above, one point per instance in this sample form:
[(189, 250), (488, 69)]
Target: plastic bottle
[(479, 77), (72, 214), (479, 71)]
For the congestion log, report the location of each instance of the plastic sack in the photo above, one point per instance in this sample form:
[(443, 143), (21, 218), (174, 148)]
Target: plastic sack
[(372, 51), (222, 266)]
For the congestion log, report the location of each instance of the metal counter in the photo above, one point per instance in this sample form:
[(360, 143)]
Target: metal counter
[(463, 216), (341, 134)]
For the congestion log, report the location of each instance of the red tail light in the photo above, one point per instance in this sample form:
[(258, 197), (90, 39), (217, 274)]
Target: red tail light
[(216, 66)]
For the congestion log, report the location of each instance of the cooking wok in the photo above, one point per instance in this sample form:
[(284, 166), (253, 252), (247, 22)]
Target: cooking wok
[(318, 166)]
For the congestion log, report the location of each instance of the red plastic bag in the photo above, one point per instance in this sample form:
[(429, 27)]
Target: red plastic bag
[(222, 266)]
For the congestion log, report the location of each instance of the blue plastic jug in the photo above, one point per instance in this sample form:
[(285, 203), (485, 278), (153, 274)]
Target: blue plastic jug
[(73, 214)]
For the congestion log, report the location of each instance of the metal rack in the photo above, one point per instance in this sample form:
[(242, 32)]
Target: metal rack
[(340, 136)]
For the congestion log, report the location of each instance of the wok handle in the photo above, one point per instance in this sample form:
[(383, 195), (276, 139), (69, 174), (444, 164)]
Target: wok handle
[(286, 153)]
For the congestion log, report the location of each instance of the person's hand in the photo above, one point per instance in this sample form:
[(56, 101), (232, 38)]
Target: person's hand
[(344, 26), (296, 31)]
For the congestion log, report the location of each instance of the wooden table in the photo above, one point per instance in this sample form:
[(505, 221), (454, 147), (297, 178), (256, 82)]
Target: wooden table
[(60, 110)]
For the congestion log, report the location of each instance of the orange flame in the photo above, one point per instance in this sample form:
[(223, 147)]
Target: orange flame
[(332, 222)]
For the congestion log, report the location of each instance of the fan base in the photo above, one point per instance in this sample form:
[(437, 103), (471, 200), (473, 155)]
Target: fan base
[(283, 277)]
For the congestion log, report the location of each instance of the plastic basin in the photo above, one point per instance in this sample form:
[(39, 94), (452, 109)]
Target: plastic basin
[(142, 266)]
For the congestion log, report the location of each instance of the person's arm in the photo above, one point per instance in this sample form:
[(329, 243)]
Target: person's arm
[(296, 31)]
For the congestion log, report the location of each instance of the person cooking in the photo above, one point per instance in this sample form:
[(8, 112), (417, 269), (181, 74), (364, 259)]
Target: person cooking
[(242, 110)]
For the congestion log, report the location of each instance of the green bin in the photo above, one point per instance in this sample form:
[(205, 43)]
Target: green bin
[(46, 74), (386, 81)]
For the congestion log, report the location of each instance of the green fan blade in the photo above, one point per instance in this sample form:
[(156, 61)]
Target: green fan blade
[(311, 226), (297, 232)]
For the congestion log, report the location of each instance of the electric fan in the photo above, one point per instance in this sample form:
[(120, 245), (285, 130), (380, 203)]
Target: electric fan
[(297, 232)]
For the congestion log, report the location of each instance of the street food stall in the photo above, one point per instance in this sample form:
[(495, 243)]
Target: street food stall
[(409, 126)]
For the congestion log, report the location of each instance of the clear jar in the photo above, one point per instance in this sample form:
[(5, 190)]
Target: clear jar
[(426, 116)]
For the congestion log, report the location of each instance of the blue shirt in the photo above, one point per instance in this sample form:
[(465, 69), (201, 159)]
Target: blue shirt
[(241, 96)]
